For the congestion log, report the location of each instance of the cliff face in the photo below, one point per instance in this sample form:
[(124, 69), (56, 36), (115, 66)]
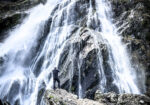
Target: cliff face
[(84, 58)]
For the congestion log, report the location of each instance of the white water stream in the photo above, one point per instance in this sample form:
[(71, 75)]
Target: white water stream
[(123, 73)]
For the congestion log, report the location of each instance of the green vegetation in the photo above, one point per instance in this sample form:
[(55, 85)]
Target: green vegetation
[(50, 96)]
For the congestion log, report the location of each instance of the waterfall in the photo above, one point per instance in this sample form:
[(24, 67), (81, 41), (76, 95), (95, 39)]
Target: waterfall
[(124, 76), (27, 67)]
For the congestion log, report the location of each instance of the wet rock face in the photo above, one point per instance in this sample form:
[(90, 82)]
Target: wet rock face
[(12, 93), (121, 99), (74, 49), (72, 12), (130, 23), (133, 19), (79, 57), (75, 13), (78, 53)]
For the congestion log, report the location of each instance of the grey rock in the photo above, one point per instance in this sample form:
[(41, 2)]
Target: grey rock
[(62, 97), (81, 48)]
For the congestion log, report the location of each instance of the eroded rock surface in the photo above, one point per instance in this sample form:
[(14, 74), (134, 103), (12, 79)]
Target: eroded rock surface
[(80, 53)]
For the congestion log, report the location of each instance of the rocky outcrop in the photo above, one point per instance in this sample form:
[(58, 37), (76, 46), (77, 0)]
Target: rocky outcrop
[(62, 97), (112, 98), (83, 62)]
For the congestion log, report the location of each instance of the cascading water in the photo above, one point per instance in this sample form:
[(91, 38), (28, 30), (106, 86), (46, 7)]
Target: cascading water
[(26, 72), (18, 84), (122, 72), (79, 80)]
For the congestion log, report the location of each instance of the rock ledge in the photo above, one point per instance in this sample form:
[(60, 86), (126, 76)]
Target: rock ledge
[(62, 97)]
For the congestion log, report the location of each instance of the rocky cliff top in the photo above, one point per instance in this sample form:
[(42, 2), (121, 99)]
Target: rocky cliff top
[(62, 97)]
